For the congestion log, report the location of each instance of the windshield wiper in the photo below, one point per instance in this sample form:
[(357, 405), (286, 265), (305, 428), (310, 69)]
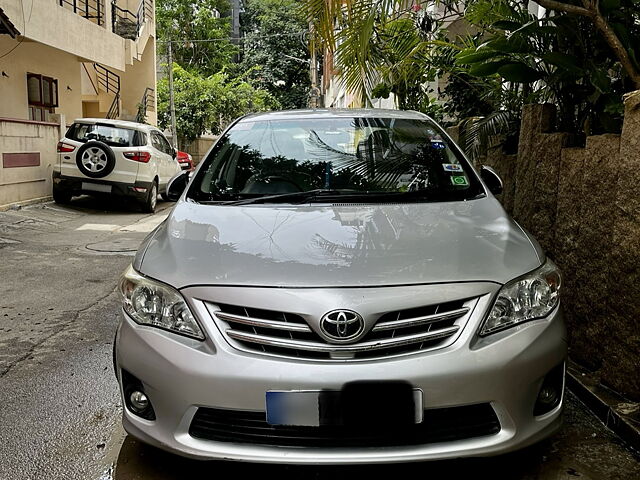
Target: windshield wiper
[(302, 196), (370, 197)]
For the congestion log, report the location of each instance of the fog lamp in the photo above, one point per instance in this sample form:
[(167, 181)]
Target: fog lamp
[(136, 401), (550, 393), (139, 401)]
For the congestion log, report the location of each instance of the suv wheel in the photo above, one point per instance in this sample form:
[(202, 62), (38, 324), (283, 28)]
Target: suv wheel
[(152, 199), (61, 196), (95, 159)]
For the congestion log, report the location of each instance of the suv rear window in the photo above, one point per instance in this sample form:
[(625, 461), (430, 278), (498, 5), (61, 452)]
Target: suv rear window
[(109, 134)]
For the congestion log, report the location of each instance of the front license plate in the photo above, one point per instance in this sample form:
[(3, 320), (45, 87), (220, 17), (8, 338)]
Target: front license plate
[(96, 187), (358, 404)]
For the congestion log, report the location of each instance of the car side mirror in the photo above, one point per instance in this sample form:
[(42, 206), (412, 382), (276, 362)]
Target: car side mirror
[(492, 180), (177, 185)]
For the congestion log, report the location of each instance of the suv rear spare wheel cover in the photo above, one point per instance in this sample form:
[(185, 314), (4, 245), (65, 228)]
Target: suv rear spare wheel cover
[(95, 159)]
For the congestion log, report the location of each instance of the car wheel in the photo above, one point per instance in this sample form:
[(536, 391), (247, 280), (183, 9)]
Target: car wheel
[(164, 197), (95, 159), (61, 196), (152, 199)]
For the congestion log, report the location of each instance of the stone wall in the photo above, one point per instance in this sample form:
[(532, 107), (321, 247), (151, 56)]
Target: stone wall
[(583, 205)]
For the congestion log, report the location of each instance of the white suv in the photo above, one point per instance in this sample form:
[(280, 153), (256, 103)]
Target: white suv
[(99, 156)]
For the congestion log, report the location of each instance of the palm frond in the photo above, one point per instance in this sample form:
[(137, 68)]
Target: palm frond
[(477, 132)]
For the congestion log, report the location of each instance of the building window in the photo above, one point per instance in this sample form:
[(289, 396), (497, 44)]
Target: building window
[(43, 96)]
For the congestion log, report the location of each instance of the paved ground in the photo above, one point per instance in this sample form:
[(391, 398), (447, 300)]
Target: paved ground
[(59, 414)]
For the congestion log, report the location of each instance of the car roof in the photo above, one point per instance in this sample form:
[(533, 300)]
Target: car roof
[(117, 123), (335, 113)]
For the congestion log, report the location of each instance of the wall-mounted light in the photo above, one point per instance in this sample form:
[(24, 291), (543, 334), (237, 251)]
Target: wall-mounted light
[(4, 74), (69, 88)]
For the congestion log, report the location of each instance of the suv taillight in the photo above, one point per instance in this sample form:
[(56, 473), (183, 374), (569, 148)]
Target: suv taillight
[(65, 147), (143, 157)]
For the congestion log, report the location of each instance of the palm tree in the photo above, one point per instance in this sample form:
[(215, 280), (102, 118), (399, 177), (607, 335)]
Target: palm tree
[(379, 41)]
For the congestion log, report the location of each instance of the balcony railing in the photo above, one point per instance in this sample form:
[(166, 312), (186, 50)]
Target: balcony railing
[(128, 24), (92, 10)]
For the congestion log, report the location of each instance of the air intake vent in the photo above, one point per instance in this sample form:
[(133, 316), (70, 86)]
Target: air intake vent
[(439, 425)]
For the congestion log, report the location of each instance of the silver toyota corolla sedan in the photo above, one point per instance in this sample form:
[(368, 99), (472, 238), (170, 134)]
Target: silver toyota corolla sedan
[(339, 286)]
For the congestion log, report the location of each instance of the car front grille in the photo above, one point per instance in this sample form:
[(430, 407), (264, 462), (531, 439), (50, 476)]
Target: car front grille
[(394, 333), (439, 425)]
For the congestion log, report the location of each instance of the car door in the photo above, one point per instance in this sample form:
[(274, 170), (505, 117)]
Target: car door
[(172, 164), (162, 157)]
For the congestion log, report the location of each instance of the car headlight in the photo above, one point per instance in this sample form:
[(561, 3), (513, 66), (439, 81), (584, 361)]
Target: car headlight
[(158, 305), (525, 298)]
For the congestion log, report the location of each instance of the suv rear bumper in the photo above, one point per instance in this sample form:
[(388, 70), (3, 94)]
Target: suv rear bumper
[(78, 186)]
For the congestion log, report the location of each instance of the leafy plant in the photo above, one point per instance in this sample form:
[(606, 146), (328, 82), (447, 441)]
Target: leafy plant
[(555, 59), (207, 103)]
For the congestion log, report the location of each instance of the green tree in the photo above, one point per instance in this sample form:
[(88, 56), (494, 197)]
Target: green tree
[(207, 103), (201, 41), (275, 55)]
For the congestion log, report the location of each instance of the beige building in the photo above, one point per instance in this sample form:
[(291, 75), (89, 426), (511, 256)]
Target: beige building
[(66, 59)]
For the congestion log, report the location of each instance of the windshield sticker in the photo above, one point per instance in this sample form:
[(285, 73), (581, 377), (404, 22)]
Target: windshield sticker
[(460, 180), (452, 167)]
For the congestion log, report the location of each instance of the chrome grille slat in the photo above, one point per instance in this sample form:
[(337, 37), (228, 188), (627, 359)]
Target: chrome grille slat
[(353, 348), (261, 322), (397, 332), (426, 319)]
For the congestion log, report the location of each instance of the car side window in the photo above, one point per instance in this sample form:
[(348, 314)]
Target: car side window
[(161, 143), (155, 142), (139, 139), (165, 143)]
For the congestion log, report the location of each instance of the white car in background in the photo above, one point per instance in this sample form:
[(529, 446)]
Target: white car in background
[(101, 156)]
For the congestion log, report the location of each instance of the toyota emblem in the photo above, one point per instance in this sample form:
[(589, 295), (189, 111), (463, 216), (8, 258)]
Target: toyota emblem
[(341, 325)]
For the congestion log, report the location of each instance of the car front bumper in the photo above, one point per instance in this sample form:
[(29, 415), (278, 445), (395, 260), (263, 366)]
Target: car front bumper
[(179, 375)]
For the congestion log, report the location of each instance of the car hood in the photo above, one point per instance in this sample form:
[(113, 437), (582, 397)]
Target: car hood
[(337, 245)]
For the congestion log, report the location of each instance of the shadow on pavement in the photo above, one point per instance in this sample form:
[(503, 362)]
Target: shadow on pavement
[(109, 204)]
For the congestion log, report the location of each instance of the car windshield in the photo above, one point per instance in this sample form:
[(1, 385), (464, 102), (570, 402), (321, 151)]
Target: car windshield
[(109, 134), (289, 160)]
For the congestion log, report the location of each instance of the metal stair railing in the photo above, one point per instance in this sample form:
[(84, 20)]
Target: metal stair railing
[(114, 109), (109, 82), (147, 104)]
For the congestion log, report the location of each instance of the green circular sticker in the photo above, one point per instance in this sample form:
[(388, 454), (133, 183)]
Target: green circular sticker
[(459, 180)]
